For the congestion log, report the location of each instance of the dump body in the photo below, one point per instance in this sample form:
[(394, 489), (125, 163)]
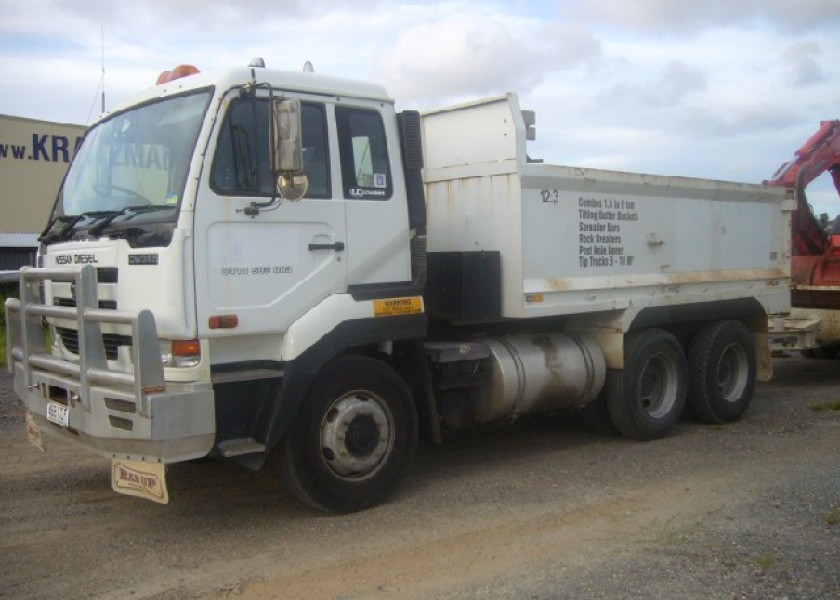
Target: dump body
[(576, 241)]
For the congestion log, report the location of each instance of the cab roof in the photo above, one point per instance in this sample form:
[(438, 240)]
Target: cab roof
[(292, 81)]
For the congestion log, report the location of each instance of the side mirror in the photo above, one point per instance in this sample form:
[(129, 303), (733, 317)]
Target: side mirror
[(287, 148)]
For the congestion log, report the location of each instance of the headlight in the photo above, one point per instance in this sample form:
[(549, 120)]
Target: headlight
[(180, 353)]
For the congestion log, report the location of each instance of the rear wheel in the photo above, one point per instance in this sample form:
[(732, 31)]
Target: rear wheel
[(647, 397), (721, 364), (353, 437)]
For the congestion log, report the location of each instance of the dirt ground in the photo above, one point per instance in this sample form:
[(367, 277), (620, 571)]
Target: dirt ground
[(541, 509)]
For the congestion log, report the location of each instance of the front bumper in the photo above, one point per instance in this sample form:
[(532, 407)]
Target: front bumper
[(178, 424), (120, 409)]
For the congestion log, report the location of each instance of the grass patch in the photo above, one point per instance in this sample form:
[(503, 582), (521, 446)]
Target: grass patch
[(765, 560), (670, 537), (823, 406), (730, 561), (833, 518), (672, 533), (7, 290)]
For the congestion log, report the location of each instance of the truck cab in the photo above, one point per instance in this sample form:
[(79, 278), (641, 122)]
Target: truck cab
[(171, 211)]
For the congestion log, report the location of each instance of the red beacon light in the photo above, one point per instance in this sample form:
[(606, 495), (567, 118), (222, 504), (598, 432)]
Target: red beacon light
[(176, 73)]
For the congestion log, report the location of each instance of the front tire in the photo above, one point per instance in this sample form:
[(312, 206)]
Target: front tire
[(647, 397), (353, 438), (721, 361)]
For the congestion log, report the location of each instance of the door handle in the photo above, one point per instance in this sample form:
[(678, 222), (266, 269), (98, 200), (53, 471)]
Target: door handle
[(337, 246)]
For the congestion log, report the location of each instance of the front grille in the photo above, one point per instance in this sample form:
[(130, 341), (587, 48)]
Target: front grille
[(70, 339), (120, 423), (70, 303), (107, 274), (119, 405)]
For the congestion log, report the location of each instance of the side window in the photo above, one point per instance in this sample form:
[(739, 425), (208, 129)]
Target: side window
[(365, 169), (316, 156), (242, 166)]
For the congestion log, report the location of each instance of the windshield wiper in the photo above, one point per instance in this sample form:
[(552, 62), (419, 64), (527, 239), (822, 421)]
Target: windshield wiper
[(70, 222), (135, 210), (46, 236)]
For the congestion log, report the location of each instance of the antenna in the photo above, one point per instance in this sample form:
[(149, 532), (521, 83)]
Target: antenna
[(102, 32), (101, 78)]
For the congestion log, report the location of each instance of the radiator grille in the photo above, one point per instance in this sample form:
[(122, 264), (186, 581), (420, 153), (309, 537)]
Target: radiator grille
[(70, 339), (120, 423), (70, 303), (119, 405)]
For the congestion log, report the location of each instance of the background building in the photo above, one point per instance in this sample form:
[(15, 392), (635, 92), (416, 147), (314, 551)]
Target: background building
[(34, 156)]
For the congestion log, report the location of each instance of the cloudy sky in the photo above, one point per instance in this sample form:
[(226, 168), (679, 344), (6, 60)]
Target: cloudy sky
[(724, 89)]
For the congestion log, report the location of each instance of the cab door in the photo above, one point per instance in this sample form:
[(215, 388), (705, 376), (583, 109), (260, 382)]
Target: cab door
[(261, 258), (378, 250)]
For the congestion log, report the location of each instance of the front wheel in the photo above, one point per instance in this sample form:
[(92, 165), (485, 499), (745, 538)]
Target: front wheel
[(353, 438), (647, 397)]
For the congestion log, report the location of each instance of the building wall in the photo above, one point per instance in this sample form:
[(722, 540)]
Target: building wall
[(12, 259), (34, 156)]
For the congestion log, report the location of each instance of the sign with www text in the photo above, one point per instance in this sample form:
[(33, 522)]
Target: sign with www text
[(34, 156)]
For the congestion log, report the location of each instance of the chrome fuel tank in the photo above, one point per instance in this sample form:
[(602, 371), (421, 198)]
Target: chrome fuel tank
[(543, 372)]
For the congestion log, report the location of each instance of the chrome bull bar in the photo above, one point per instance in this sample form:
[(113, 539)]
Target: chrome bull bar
[(26, 342)]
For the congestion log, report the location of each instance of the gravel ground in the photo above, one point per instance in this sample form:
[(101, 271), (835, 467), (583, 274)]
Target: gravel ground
[(540, 509)]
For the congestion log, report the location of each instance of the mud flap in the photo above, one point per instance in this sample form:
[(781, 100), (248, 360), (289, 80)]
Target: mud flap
[(141, 479), (33, 433)]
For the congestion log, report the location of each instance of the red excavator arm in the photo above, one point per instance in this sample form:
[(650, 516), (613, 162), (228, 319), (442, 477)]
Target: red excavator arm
[(819, 154), (815, 265)]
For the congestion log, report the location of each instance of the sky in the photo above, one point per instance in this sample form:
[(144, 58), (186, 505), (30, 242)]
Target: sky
[(722, 89)]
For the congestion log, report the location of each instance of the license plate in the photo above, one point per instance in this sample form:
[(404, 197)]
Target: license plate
[(58, 414)]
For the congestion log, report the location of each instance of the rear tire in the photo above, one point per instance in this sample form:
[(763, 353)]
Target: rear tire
[(721, 366), (353, 437), (647, 397)]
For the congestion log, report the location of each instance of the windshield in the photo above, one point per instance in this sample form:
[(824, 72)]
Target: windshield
[(132, 168)]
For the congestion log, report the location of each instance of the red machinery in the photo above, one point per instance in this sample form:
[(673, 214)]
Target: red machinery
[(815, 265)]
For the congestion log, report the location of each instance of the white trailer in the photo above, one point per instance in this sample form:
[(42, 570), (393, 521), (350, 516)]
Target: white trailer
[(276, 267)]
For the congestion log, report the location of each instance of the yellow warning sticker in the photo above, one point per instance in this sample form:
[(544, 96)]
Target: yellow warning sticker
[(145, 480), (391, 307)]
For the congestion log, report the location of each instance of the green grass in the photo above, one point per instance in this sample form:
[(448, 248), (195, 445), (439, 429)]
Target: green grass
[(823, 406), (6, 290), (765, 560), (833, 518)]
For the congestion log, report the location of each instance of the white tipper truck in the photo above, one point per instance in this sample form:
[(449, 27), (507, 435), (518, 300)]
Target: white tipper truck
[(276, 267)]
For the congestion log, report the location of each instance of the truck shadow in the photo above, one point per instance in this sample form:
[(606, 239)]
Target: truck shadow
[(223, 492), (796, 371)]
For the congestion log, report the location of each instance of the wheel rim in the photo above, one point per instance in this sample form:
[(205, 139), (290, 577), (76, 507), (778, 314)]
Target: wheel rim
[(658, 386), (357, 435), (732, 373)]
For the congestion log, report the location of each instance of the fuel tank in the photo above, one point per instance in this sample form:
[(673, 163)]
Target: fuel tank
[(534, 373)]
